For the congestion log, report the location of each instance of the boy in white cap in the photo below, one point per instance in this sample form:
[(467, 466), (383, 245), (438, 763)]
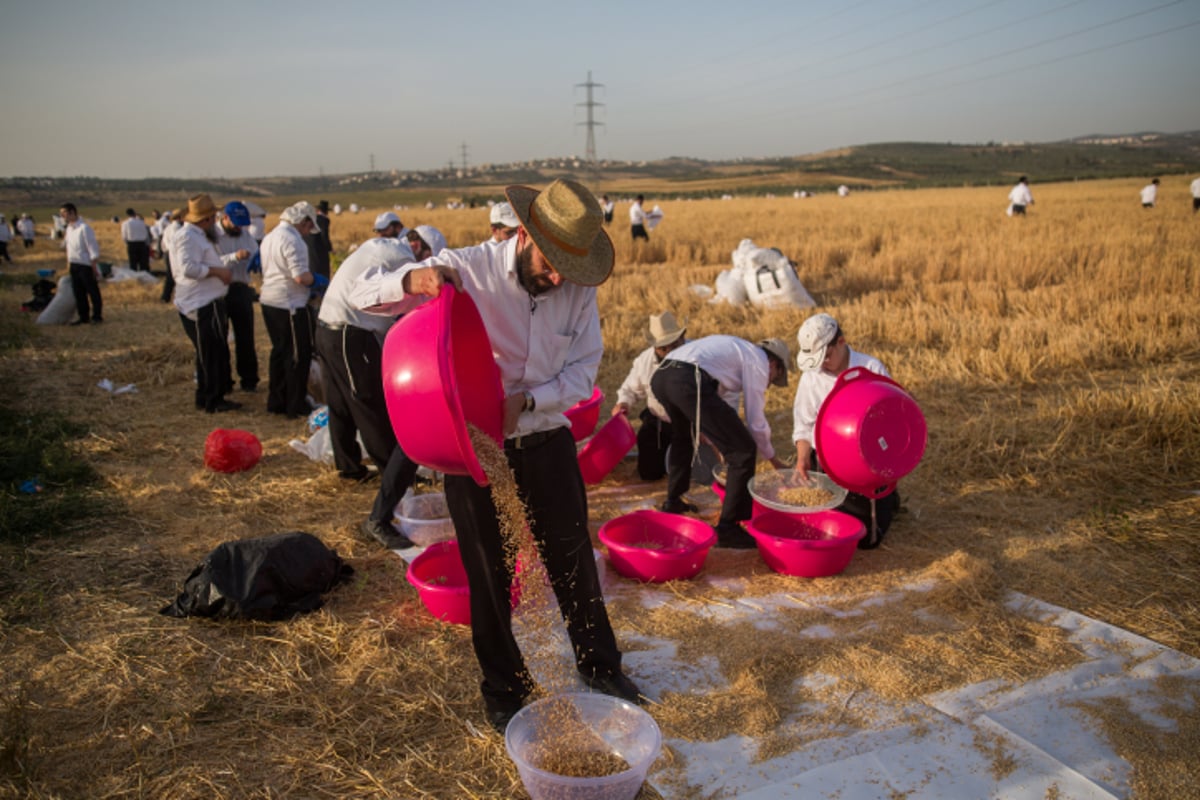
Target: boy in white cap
[(665, 335), (504, 223), (692, 384), (824, 355)]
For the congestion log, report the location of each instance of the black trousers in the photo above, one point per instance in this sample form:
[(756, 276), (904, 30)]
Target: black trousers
[(85, 287), (139, 256), (239, 303), (352, 376), (549, 483), (653, 437), (638, 232), (208, 334), (291, 354), (396, 479), (4, 252), (678, 386), (169, 282)]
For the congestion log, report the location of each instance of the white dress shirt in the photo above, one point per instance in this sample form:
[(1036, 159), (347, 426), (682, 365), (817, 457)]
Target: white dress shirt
[(1020, 195), (815, 385), (740, 367), (637, 384), (1149, 194), (5, 232), (192, 254), (81, 244), (636, 215), (549, 345), (258, 227), (337, 308), (134, 230), (26, 228), (228, 245), (284, 258), (1196, 188)]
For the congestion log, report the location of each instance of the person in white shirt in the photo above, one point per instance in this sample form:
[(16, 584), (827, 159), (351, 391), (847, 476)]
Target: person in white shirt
[(137, 241), (83, 262), (537, 298), (5, 237), (504, 222), (1020, 197), (25, 227), (424, 241), (171, 223), (233, 239), (284, 299), (607, 206), (1150, 194), (201, 281), (637, 220), (349, 344), (824, 355), (1195, 195), (654, 434), (690, 383)]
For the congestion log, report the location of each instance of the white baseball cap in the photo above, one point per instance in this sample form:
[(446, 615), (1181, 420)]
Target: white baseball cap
[(503, 214), (816, 334), (385, 219)]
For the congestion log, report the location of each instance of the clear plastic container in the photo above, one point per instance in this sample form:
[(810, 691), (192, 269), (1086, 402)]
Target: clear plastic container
[(424, 518), (578, 724)]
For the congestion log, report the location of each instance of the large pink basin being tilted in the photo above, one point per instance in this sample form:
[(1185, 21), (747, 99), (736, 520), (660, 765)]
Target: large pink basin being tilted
[(869, 434), (439, 374)]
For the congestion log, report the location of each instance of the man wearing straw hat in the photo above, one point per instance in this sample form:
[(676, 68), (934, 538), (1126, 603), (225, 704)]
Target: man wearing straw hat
[(201, 282), (692, 383), (286, 314), (665, 335), (536, 294), (824, 355)]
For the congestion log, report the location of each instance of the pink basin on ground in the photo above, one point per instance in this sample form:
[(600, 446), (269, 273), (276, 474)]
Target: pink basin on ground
[(441, 582), (869, 433), (808, 545), (655, 546), (584, 415), (438, 375), (606, 449)]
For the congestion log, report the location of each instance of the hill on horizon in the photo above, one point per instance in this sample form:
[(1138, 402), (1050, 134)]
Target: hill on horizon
[(869, 166)]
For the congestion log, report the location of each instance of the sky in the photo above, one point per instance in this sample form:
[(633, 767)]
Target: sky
[(131, 89)]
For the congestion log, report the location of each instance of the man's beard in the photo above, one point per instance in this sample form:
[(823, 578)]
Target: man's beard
[(534, 284)]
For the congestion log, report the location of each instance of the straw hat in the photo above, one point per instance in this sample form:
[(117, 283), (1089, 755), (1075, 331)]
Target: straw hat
[(664, 329), (779, 349), (567, 225), (199, 207)]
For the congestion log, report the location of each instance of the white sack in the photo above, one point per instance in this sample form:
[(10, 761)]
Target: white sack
[(62, 306), (770, 279)]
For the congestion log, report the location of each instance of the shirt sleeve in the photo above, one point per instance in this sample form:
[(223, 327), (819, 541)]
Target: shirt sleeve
[(634, 389), (577, 378), (754, 391), (89, 242), (187, 259), (295, 255), (804, 412), (381, 291)]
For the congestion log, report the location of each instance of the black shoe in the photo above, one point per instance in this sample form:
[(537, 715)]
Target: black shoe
[(360, 476), (679, 506), (499, 720), (735, 537), (386, 535), (617, 685), (223, 406)]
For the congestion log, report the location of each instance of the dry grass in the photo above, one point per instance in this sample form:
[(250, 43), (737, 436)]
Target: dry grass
[(1055, 358)]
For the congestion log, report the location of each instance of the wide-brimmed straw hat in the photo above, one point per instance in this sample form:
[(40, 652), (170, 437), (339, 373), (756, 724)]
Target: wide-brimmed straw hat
[(779, 349), (664, 329), (199, 207), (567, 224)]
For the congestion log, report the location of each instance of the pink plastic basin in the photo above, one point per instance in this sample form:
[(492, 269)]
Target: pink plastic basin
[(606, 449), (584, 415), (655, 546), (808, 545), (438, 375), (870, 433), (441, 582)]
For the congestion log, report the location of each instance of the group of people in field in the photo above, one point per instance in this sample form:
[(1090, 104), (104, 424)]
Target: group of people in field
[(1020, 197)]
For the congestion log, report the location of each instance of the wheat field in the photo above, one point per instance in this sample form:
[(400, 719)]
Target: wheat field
[(1055, 357)]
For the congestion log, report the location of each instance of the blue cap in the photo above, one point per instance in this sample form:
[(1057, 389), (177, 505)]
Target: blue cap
[(238, 213)]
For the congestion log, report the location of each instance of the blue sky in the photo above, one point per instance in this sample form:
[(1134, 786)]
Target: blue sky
[(135, 89)]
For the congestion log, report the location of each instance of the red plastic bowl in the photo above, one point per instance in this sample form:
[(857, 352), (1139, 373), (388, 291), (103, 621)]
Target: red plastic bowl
[(870, 433), (655, 546), (438, 375), (441, 582), (808, 545), (606, 449), (584, 415)]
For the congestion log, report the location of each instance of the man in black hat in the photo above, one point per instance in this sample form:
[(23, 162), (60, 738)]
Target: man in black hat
[(536, 294)]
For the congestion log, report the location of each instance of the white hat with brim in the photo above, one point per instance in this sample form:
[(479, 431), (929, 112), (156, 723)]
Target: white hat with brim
[(567, 224), (664, 329), (815, 335), (779, 349)]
